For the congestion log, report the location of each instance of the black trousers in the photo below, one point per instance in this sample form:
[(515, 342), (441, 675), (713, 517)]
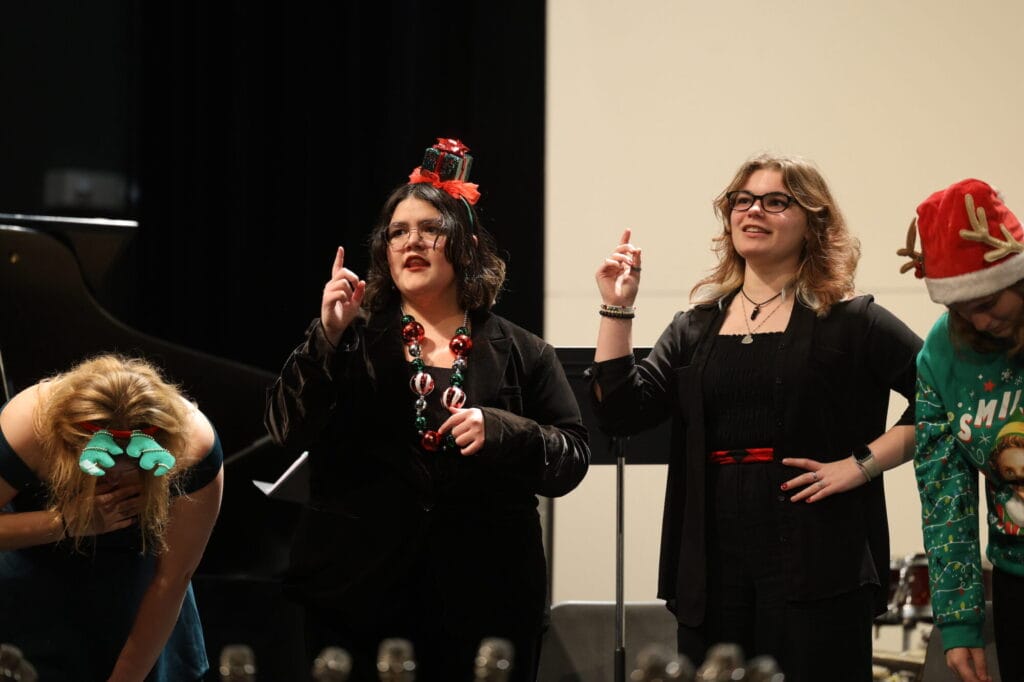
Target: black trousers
[(826, 639), (1007, 605)]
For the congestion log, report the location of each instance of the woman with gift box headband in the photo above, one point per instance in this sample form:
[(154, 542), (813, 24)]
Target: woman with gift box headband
[(110, 483), (970, 378), (432, 425), (777, 382)]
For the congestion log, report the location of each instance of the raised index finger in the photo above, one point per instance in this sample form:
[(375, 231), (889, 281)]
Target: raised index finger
[(339, 262), (626, 235)]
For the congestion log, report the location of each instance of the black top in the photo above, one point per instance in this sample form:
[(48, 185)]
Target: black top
[(738, 396), (831, 379), (373, 490)]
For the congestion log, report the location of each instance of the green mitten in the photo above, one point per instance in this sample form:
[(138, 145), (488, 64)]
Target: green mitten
[(152, 455), (96, 455)]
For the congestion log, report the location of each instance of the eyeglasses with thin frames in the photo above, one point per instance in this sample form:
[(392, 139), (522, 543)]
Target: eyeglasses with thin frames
[(399, 236), (772, 202)]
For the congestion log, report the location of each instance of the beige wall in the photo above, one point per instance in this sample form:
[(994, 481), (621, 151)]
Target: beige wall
[(652, 104)]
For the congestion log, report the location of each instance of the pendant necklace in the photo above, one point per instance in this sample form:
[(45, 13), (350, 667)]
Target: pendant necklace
[(748, 338), (757, 306), (422, 383)]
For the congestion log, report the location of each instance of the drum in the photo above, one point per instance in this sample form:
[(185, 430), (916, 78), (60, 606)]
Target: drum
[(913, 595), (895, 567)]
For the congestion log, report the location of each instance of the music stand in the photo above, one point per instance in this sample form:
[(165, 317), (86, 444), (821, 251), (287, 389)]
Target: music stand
[(3, 379), (649, 447), (292, 485)]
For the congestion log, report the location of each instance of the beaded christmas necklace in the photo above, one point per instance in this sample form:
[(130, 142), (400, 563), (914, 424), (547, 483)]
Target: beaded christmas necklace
[(422, 383)]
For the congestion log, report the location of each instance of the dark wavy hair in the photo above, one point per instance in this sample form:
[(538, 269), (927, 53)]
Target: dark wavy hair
[(479, 270), (830, 256), (963, 333)]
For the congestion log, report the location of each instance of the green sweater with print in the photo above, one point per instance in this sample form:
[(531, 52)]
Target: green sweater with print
[(963, 399)]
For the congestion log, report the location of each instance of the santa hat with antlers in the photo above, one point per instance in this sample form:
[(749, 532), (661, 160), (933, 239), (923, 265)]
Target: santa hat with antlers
[(971, 244)]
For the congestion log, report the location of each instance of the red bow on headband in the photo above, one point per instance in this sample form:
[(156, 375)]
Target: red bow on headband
[(456, 188), (452, 146)]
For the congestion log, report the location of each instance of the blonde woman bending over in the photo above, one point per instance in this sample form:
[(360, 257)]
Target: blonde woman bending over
[(110, 483)]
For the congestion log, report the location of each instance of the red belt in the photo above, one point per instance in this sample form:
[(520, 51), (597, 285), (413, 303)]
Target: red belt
[(744, 456)]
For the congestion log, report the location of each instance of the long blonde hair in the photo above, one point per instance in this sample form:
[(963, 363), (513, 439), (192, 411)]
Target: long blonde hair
[(830, 255), (115, 392)]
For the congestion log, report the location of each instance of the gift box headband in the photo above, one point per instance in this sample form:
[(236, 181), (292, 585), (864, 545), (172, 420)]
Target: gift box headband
[(972, 245), (446, 166)]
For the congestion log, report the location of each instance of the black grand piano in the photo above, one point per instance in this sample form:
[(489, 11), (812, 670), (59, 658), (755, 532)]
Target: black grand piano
[(53, 271)]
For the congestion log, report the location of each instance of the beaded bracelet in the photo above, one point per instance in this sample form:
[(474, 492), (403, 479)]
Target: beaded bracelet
[(621, 312), (616, 314)]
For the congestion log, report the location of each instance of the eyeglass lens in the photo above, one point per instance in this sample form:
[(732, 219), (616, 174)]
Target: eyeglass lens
[(398, 236), (772, 202)]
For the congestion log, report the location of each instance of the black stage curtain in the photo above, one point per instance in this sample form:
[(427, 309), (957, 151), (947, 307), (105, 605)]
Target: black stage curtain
[(269, 134)]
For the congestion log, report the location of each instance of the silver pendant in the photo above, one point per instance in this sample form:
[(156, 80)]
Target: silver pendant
[(747, 340)]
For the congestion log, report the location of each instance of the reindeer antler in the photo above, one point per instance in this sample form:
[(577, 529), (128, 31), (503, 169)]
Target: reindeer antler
[(980, 233), (916, 259)]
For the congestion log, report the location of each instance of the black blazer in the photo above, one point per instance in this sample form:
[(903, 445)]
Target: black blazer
[(372, 497), (833, 377)]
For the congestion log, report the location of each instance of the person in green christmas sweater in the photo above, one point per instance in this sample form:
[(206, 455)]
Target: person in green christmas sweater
[(970, 383)]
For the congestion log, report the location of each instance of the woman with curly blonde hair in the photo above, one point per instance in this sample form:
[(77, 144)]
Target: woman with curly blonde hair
[(829, 254), (777, 382), (110, 483)]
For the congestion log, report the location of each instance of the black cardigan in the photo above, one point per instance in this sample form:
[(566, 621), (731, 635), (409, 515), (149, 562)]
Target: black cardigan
[(832, 381), (372, 497)]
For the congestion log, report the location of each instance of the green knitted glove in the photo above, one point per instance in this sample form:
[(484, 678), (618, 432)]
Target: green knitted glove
[(152, 457), (96, 455)]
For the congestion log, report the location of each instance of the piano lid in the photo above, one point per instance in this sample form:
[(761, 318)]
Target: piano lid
[(96, 243)]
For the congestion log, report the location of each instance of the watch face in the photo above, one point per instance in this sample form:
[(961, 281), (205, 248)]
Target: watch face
[(862, 453)]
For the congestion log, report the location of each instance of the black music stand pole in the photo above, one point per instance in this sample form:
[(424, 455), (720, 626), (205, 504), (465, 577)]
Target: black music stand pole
[(649, 447), (619, 450), (3, 379)]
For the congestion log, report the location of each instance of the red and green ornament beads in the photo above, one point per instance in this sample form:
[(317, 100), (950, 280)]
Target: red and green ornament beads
[(422, 383)]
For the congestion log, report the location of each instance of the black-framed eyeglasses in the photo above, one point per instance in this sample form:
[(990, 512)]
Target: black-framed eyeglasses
[(398, 236), (772, 202)]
